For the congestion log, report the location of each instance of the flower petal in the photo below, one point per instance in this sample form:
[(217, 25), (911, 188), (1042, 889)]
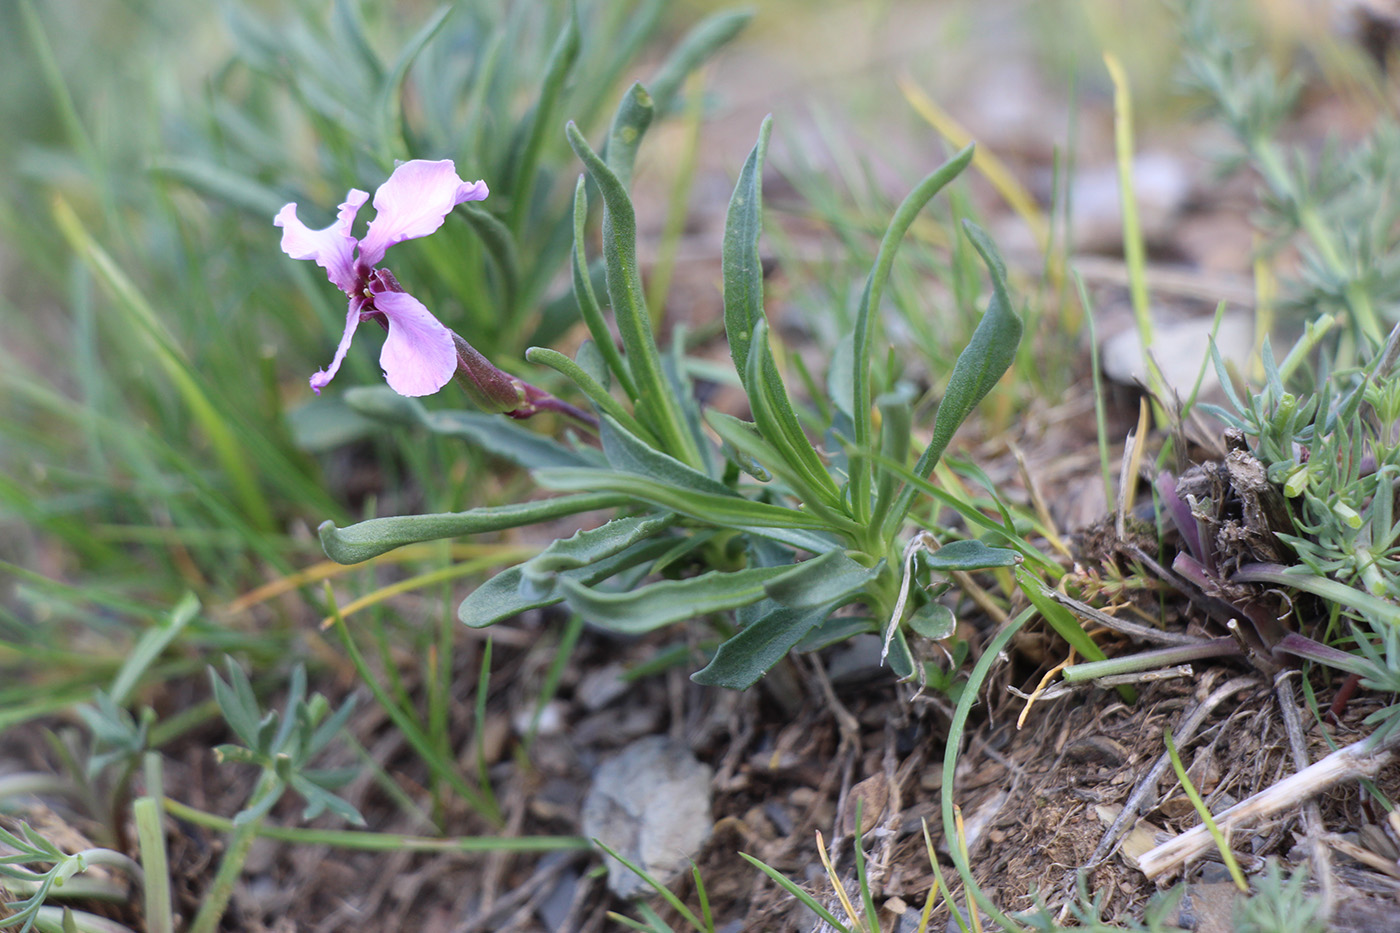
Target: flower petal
[(333, 248), (419, 356), (352, 321), (413, 203)]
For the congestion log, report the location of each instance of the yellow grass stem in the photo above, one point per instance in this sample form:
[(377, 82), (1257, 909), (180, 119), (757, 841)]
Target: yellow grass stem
[(838, 887), (1134, 249), (1040, 687), (1265, 293), (993, 169), (422, 580), (329, 569)]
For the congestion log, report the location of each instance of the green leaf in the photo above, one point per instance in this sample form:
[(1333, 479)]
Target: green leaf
[(831, 578), (149, 647), (390, 109), (933, 621), (809, 592), (798, 529), (626, 453), (588, 547), (521, 181), (896, 423), (629, 124), (834, 630), (900, 658), (657, 406), (869, 304), (500, 243), (492, 433), (589, 386), (658, 604), (970, 554), (778, 423), (698, 45), (754, 452), (504, 596), (980, 365), (221, 184), (796, 891), (588, 300), (165, 350), (745, 325), (327, 423), (235, 701), (741, 660), (741, 265), (1064, 623), (367, 539)]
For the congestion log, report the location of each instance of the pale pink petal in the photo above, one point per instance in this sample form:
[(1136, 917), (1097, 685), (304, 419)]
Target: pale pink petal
[(419, 356), (333, 248), (413, 203), (352, 321)]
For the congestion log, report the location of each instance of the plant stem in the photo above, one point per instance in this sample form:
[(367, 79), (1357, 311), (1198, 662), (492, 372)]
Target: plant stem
[(217, 898), (1146, 660)]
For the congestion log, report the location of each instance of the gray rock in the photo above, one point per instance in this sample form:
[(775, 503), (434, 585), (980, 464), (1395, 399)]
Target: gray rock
[(1180, 346), (600, 687), (651, 804)]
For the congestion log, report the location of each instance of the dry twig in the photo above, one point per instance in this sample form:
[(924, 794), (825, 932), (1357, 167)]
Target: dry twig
[(1358, 760)]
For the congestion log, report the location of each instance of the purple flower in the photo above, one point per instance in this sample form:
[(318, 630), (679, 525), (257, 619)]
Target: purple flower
[(419, 355)]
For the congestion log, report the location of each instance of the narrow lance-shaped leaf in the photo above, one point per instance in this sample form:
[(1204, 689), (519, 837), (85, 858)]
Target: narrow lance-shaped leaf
[(371, 538), (807, 594), (754, 455), (740, 263), (629, 124), (745, 325), (500, 244), (349, 32), (789, 526), (561, 61), (390, 110), (778, 422), (698, 45), (980, 365), (656, 405), (658, 604), (827, 578), (628, 453), (591, 545), (869, 304), (506, 595), (743, 659), (588, 301)]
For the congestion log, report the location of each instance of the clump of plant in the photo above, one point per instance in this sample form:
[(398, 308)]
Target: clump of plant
[(1280, 904), (146, 223), (751, 523), (1304, 505), (1339, 208)]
